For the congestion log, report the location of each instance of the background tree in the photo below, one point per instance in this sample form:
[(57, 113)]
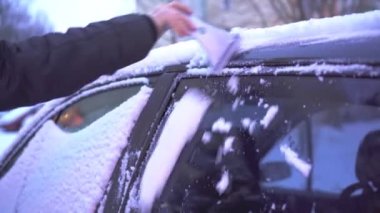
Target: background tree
[(16, 23), (288, 11), (264, 13)]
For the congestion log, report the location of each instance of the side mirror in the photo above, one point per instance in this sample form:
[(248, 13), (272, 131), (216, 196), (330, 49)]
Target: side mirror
[(274, 171)]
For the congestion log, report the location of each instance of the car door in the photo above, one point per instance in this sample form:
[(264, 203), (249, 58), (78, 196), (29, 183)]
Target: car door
[(258, 142)]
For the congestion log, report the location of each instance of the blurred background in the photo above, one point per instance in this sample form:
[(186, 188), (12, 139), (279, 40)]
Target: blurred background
[(20, 19)]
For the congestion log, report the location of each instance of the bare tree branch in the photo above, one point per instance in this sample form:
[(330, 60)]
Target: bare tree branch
[(280, 8), (258, 10)]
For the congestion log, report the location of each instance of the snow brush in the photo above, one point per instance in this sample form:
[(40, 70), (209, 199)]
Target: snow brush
[(219, 44)]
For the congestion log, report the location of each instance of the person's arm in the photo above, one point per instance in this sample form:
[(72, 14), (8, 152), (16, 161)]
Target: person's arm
[(56, 65)]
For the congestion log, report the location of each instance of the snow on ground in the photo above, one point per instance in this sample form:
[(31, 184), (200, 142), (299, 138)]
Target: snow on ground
[(179, 129), (68, 172)]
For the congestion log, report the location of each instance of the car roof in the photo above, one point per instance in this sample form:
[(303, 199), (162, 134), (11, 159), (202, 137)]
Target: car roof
[(342, 39)]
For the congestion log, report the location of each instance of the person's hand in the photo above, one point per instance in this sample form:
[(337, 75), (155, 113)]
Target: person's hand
[(175, 16)]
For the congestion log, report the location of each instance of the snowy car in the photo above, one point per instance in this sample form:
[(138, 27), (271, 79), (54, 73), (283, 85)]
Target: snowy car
[(292, 124)]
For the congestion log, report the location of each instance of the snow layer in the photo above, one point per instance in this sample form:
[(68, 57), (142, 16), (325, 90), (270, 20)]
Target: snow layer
[(27, 127), (305, 32), (179, 129), (69, 172), (157, 59), (52, 107), (316, 30), (320, 69)]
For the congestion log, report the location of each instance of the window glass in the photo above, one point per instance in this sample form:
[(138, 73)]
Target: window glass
[(291, 144), (265, 141), (82, 113), (336, 136)]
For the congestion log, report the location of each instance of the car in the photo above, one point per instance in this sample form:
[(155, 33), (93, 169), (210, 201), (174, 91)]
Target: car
[(292, 124)]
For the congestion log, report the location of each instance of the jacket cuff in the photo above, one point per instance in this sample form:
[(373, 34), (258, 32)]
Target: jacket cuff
[(152, 26)]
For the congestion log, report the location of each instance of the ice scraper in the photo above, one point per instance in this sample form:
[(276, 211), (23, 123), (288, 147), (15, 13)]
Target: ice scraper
[(219, 44)]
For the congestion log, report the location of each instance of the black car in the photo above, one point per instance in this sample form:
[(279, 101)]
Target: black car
[(290, 126)]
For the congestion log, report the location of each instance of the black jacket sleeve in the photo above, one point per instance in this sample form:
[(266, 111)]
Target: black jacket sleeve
[(55, 65)]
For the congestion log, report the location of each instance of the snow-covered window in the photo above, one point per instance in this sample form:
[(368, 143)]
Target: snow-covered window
[(262, 142), (69, 171), (82, 113)]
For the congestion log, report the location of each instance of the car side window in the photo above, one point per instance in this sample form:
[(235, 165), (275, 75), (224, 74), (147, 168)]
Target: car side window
[(265, 141), (84, 112), (323, 149)]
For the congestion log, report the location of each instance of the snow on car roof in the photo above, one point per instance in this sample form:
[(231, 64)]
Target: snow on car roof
[(314, 30), (339, 27)]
